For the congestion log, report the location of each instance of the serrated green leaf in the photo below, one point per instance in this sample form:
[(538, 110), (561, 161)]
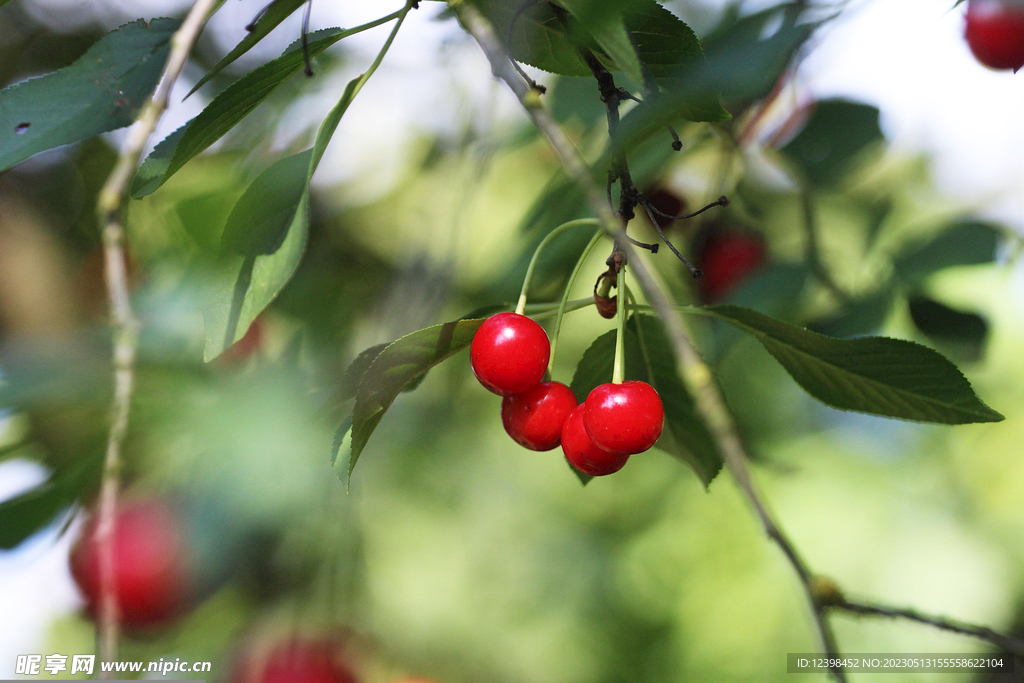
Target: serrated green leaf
[(649, 358), (877, 375), (232, 105), (963, 333), (604, 23), (103, 90), (356, 369), (398, 366), (275, 14)]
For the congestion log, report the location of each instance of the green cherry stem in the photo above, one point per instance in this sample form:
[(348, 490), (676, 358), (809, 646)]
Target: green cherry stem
[(521, 306), (619, 371), (563, 304)]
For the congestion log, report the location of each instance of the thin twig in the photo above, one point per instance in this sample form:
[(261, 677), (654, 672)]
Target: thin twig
[(305, 38), (698, 376), (1008, 643), (696, 272), (110, 208)]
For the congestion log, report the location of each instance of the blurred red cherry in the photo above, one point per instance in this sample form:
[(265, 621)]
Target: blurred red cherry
[(995, 32), (296, 660), (726, 258), (150, 568)]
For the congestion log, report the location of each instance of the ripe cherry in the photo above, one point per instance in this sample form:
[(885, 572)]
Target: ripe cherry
[(581, 452), (150, 569), (296, 661), (535, 417), (509, 353), (624, 418), (995, 32), (726, 258)]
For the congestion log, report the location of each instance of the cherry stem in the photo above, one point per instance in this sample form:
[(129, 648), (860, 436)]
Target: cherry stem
[(305, 38), (521, 305), (564, 305), (619, 371)]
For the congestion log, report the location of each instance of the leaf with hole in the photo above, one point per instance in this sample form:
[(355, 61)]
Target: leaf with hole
[(396, 367), (877, 375), (101, 91)]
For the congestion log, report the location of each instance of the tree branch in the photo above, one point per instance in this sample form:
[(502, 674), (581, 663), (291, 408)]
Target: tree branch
[(692, 368), (111, 204), (1008, 643)]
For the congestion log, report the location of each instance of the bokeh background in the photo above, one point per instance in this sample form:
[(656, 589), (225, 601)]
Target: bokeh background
[(456, 554)]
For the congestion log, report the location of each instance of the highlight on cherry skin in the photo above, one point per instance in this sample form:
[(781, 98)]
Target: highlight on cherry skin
[(994, 30), (624, 418), (534, 418), (150, 568), (582, 453), (509, 353)]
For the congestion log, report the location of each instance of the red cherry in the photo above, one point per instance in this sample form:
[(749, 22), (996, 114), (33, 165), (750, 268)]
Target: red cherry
[(624, 418), (535, 417), (995, 32), (150, 569), (509, 353), (727, 258), (296, 661), (581, 452)]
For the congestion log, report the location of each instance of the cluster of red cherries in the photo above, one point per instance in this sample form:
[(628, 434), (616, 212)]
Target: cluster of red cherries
[(510, 354)]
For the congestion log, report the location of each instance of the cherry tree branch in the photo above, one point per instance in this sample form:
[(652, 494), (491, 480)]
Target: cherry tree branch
[(111, 204), (1005, 642), (694, 371)]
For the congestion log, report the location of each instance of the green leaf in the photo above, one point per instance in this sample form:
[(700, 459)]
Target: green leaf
[(837, 131), (962, 332), (232, 105), (262, 245), (686, 435), (356, 369), (605, 25), (966, 243), (101, 91), (265, 238), (24, 515), (649, 358), (394, 369), (275, 14), (4, 2), (876, 375)]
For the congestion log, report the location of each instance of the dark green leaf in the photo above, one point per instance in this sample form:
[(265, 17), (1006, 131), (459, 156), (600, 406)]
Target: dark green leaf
[(963, 244), (962, 332), (24, 515), (227, 109), (356, 369), (101, 91), (876, 375), (858, 318), (835, 134), (398, 366), (649, 358), (605, 25), (686, 435), (275, 14)]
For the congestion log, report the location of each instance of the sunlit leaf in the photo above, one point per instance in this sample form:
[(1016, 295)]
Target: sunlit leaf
[(275, 14), (392, 371), (877, 375)]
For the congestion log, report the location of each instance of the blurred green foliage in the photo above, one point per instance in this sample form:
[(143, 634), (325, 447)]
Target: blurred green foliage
[(457, 554)]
